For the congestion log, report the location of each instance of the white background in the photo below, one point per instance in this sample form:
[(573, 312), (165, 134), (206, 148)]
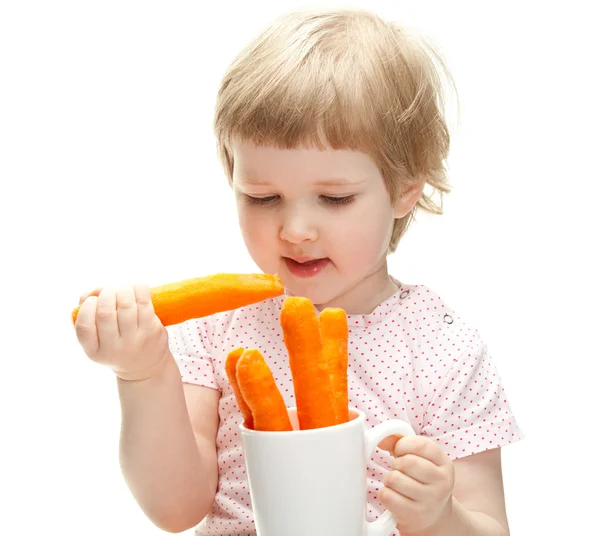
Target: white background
[(109, 175)]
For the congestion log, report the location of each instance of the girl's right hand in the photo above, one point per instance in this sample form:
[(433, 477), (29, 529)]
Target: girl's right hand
[(120, 329)]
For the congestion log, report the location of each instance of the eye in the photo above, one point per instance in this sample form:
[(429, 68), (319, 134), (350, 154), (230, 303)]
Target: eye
[(345, 200), (261, 200)]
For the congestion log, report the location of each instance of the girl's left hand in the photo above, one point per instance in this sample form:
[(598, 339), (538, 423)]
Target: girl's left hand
[(418, 490)]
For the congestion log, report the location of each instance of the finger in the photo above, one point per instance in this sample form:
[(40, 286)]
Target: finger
[(388, 444), (86, 295), (404, 485), (106, 316), (423, 447), (85, 326), (419, 469), (393, 501), (145, 308), (127, 314)]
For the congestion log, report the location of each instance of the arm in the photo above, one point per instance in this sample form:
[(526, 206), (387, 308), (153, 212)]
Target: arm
[(167, 458), (429, 495), (167, 448), (467, 495), (478, 505)]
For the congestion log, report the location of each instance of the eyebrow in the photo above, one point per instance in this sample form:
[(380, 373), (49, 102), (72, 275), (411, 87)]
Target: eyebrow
[(338, 182), (334, 181), (254, 182)]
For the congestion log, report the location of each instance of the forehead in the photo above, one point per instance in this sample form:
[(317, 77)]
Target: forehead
[(254, 163)]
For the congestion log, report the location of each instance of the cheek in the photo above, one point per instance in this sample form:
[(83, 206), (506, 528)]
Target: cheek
[(256, 228), (370, 232)]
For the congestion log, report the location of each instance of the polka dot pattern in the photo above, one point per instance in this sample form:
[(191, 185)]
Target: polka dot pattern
[(412, 358)]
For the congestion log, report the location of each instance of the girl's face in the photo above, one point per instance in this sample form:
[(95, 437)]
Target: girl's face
[(322, 220)]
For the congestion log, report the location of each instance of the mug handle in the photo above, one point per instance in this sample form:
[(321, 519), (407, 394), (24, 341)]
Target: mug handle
[(386, 522)]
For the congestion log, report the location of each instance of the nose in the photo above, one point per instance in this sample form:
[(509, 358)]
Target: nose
[(298, 226)]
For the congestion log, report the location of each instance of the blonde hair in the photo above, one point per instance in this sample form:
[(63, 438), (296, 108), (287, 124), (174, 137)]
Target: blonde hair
[(342, 79)]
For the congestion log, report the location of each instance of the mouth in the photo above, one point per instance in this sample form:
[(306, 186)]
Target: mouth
[(306, 266)]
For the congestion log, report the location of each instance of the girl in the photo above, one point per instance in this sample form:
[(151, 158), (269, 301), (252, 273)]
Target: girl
[(330, 129)]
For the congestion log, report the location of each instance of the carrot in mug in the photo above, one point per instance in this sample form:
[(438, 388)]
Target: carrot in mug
[(195, 298), (261, 393), (231, 370), (334, 339), (312, 384)]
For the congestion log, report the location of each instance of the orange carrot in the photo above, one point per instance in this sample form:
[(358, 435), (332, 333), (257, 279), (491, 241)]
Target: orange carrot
[(334, 339), (312, 385), (261, 393), (194, 298), (231, 370)]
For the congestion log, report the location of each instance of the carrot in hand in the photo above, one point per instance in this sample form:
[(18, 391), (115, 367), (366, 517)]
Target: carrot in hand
[(334, 339), (312, 384), (231, 371), (195, 298), (260, 392)]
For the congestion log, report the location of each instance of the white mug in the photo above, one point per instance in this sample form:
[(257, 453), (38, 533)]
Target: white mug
[(314, 482)]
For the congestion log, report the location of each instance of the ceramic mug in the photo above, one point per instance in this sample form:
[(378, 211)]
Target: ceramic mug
[(314, 482)]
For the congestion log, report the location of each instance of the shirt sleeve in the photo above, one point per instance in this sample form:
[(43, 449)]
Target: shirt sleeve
[(470, 412), (191, 345)]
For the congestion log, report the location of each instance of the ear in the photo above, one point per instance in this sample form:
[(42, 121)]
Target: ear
[(407, 200)]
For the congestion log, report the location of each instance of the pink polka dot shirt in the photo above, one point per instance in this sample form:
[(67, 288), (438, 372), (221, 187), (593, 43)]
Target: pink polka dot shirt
[(412, 358)]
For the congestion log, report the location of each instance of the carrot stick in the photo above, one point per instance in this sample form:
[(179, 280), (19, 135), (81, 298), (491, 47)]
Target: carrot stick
[(312, 384), (231, 370), (194, 298), (334, 338), (261, 393)]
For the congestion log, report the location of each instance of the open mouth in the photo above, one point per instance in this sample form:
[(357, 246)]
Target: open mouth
[(306, 267)]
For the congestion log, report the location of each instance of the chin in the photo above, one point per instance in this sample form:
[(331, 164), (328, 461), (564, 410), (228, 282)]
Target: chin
[(318, 296)]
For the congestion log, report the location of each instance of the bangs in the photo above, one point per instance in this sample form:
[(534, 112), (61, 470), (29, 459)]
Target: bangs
[(315, 102)]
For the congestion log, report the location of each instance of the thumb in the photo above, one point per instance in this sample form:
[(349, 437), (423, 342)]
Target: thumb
[(389, 443)]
